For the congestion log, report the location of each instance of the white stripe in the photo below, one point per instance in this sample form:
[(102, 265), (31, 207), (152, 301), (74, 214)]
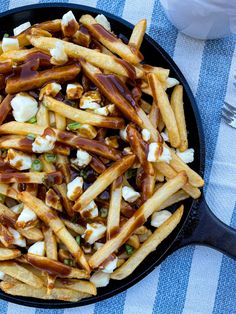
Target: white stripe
[(220, 196), (89, 309), (19, 309), (142, 295), (137, 10), (89, 3), (17, 3)]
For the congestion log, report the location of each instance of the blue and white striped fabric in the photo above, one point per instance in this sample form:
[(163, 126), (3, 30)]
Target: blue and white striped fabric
[(194, 279)]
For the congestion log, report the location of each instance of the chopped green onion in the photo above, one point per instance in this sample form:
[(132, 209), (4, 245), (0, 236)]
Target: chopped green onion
[(103, 212), (37, 165), (50, 157), (73, 126), (66, 261), (77, 239), (130, 173), (32, 120), (129, 249), (2, 198), (5, 35), (30, 136), (84, 173)]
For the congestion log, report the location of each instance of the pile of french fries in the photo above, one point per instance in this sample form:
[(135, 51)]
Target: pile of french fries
[(70, 224)]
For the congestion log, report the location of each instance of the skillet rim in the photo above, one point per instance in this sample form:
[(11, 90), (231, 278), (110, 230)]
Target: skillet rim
[(56, 304)]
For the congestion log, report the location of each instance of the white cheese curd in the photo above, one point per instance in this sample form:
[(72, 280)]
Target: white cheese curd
[(21, 28), (19, 160), (97, 245), (51, 89), (74, 90), (58, 54), (100, 279), (10, 44), (24, 107), (43, 144), (83, 158), (94, 232), (90, 211), (101, 19), (37, 248), (1, 275), (146, 135), (123, 134), (171, 82), (165, 135), (17, 209), (128, 150), (74, 188), (103, 111), (159, 217), (67, 18), (187, 156), (111, 108), (18, 239), (153, 153), (129, 194), (89, 104), (110, 266), (26, 215)]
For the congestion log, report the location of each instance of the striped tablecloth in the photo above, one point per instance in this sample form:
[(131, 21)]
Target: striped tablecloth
[(194, 279)]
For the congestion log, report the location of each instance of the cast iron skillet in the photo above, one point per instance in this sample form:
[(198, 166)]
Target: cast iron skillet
[(198, 225)]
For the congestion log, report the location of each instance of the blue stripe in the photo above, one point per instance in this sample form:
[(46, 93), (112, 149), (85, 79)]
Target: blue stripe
[(51, 1), (112, 305), (162, 30), (47, 311), (213, 79), (114, 7), (173, 282), (4, 5), (3, 307), (225, 294)]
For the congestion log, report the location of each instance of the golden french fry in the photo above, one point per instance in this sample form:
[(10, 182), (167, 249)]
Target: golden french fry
[(60, 122), (145, 106), (154, 114), (161, 99), (77, 285), (175, 198), (161, 73), (5, 108), (56, 268), (103, 181), (101, 60), (7, 216), (134, 241), (148, 246), (51, 219), (113, 218), (81, 115), (20, 273), (7, 254), (74, 226), (50, 243), (178, 108), (63, 165), (6, 190), (6, 237), (31, 233), (138, 33), (43, 116), (139, 218), (31, 177), (18, 56)]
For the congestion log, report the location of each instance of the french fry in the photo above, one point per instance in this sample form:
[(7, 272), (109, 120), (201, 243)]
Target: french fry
[(134, 241), (63, 137), (145, 106), (63, 165), (6, 66), (50, 243), (54, 267), (77, 285), (154, 114), (103, 181), (110, 41), (138, 33), (101, 60), (7, 216), (161, 99), (97, 165), (138, 219), (74, 226), (81, 115), (178, 108), (175, 198), (5, 108), (60, 122), (51, 219), (169, 172), (6, 190), (59, 74), (148, 246), (8, 254), (31, 233), (20, 273), (148, 184), (113, 219), (31, 177), (18, 56), (21, 289), (6, 237), (43, 116)]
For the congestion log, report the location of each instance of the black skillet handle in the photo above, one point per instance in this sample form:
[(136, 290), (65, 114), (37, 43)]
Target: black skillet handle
[(210, 231)]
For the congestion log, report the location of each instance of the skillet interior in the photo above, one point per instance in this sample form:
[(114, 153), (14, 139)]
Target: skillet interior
[(156, 56)]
